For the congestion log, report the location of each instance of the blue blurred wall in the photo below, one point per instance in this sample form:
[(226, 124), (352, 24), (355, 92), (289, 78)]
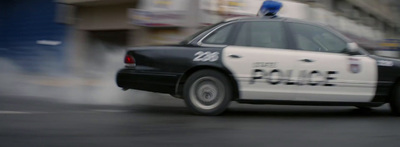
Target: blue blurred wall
[(2, 21), (22, 24)]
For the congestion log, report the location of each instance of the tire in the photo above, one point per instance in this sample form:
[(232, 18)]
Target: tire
[(395, 100), (207, 92)]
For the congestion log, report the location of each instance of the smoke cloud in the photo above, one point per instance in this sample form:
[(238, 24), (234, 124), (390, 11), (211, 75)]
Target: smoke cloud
[(94, 86)]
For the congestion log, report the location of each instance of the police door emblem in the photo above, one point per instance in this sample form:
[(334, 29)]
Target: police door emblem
[(355, 65)]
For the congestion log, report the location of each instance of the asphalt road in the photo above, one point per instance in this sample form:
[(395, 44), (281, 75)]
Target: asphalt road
[(31, 122)]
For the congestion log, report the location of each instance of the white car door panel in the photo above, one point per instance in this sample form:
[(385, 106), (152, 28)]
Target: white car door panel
[(340, 77), (262, 73)]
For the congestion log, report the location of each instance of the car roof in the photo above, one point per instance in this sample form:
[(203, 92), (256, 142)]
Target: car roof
[(268, 18), (284, 19)]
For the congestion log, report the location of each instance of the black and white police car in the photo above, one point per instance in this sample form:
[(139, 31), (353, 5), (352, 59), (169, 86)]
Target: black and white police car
[(264, 60)]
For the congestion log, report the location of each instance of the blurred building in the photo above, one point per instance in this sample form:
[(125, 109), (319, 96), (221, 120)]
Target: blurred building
[(366, 21), (382, 15), (80, 34), (104, 26), (101, 27)]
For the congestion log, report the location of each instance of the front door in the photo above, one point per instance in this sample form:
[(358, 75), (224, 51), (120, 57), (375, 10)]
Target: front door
[(327, 72), (260, 61)]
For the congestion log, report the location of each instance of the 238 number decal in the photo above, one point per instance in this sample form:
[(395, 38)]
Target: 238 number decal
[(206, 56)]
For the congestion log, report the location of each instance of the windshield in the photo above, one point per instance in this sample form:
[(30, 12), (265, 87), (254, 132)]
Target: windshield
[(191, 37)]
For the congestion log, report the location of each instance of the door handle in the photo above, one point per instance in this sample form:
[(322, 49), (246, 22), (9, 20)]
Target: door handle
[(235, 56), (307, 60)]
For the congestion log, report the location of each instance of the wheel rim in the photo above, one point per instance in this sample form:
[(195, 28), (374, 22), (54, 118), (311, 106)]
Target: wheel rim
[(207, 93)]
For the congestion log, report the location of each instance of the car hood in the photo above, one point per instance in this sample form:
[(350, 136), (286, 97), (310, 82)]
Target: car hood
[(386, 61)]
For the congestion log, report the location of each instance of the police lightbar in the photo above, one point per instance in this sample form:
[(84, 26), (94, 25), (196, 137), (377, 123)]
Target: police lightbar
[(269, 8)]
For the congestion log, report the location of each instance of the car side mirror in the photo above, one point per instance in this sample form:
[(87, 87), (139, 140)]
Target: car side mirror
[(353, 48)]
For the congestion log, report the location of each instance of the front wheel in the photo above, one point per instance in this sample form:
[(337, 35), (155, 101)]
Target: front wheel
[(207, 92), (395, 100)]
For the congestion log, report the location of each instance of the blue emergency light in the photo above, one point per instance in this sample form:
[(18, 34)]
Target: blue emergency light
[(270, 8)]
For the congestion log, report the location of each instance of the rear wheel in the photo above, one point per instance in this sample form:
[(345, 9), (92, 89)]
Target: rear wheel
[(207, 92), (395, 100)]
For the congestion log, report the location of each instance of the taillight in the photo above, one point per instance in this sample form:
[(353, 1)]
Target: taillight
[(129, 60)]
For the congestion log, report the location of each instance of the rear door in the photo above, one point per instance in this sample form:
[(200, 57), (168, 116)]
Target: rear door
[(326, 71), (261, 62)]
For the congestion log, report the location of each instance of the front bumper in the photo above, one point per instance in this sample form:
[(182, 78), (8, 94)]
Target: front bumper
[(147, 80)]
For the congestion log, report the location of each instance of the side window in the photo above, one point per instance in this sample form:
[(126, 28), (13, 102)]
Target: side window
[(313, 38), (220, 36), (261, 34), (242, 36)]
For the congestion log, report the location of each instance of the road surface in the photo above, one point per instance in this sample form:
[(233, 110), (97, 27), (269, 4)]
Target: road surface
[(34, 122)]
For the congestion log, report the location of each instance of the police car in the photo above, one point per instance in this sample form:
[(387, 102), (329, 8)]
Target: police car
[(264, 60)]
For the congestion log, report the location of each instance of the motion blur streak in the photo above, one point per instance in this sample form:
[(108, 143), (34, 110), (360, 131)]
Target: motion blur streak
[(59, 58)]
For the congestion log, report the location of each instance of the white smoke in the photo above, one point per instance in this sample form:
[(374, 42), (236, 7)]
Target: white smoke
[(95, 86)]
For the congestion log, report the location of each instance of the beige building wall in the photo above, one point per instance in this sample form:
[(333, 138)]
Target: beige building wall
[(97, 16), (77, 45), (104, 17), (139, 37)]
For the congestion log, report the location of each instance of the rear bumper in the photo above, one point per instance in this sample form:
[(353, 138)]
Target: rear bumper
[(147, 81)]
